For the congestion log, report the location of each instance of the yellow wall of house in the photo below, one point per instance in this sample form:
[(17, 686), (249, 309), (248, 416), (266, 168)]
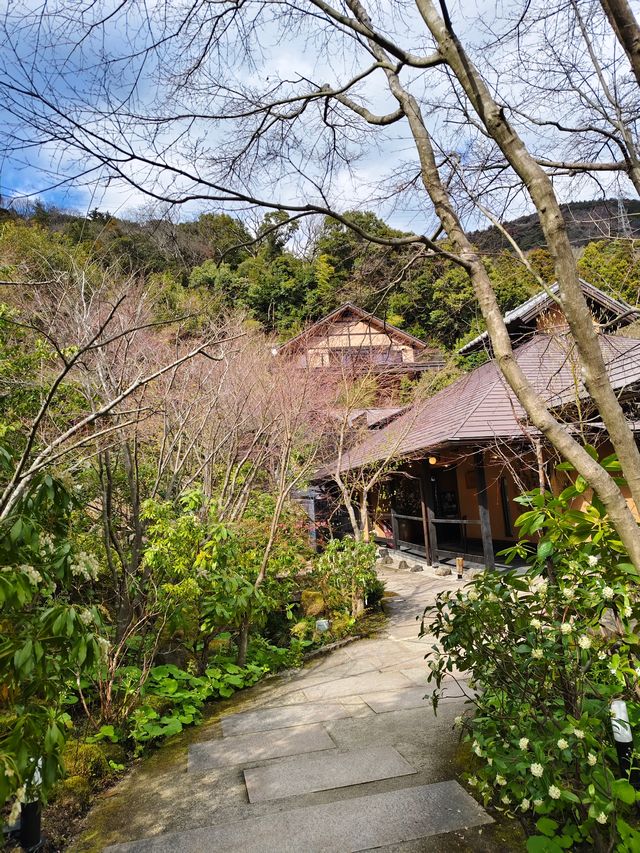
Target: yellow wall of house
[(351, 334)]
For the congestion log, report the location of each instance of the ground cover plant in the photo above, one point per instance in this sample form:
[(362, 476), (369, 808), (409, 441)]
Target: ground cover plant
[(548, 649)]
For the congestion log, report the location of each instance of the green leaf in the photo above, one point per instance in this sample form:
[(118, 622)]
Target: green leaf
[(623, 790), (542, 844), (23, 655), (547, 826), (545, 549)]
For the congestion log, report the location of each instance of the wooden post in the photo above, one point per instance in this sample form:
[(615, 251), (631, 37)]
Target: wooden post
[(423, 507), (459, 567), (483, 507), (426, 494), (394, 528)]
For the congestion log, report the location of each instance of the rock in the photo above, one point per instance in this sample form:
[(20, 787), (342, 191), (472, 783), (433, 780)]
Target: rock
[(312, 602), (442, 571), (73, 793), (417, 568), (87, 760), (403, 565)]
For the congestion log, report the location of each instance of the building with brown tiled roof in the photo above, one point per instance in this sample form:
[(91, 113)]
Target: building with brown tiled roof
[(350, 338), (466, 453)]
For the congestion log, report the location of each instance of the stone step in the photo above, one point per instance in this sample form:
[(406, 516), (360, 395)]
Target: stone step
[(258, 746), (324, 771), (268, 719), (342, 826)]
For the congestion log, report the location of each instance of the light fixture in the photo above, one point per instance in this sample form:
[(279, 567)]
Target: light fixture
[(433, 460)]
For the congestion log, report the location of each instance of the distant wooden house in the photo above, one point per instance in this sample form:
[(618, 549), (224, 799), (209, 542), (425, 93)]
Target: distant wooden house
[(461, 457), (351, 339)]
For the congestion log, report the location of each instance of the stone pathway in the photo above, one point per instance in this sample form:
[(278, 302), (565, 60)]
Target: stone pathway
[(344, 755)]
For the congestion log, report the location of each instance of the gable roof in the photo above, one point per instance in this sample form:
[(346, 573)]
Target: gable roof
[(366, 316), (481, 407), (541, 302)]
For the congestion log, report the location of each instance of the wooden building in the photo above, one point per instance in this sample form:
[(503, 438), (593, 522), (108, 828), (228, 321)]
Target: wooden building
[(461, 457), (351, 339)]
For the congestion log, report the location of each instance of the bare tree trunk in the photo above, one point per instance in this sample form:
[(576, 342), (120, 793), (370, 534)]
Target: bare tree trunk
[(243, 641), (625, 26), (552, 222), (598, 383)]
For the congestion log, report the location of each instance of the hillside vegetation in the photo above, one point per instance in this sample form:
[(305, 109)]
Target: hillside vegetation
[(281, 287)]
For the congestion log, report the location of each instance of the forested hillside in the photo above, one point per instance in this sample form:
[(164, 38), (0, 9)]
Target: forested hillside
[(283, 275)]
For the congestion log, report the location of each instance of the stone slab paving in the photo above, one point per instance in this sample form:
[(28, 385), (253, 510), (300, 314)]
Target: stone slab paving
[(396, 700), (243, 749), (324, 771), (342, 826), (356, 684), (280, 718), (209, 809)]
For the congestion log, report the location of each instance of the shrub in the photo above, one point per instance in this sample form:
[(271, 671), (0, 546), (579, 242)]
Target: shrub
[(345, 572), (548, 651)]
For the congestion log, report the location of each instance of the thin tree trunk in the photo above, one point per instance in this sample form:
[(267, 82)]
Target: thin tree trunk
[(541, 191), (611, 496)]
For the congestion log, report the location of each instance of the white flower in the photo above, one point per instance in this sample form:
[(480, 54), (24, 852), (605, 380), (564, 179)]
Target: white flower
[(86, 566), (506, 799), (525, 805), (607, 592), (33, 574), (555, 793), (473, 781), (536, 623), (476, 748), (537, 653), (584, 642), (490, 761), (592, 759), (578, 733), (601, 818), (537, 802), (105, 646), (627, 611), (569, 592), (562, 744), (500, 780), (14, 814), (602, 655), (566, 628), (537, 770), (47, 543), (86, 616), (523, 743), (457, 722), (473, 595), (593, 559)]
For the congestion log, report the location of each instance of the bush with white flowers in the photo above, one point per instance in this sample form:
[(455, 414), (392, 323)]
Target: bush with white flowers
[(548, 648), (48, 640)]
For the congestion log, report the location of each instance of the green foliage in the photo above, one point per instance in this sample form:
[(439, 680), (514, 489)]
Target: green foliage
[(548, 650), (345, 573), (48, 638), (614, 266), (173, 698)]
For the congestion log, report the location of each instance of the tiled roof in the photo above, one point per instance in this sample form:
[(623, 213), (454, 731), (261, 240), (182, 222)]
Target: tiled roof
[(480, 406), (544, 300), (350, 307)]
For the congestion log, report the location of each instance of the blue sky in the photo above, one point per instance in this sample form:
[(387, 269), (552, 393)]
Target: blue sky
[(66, 68)]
